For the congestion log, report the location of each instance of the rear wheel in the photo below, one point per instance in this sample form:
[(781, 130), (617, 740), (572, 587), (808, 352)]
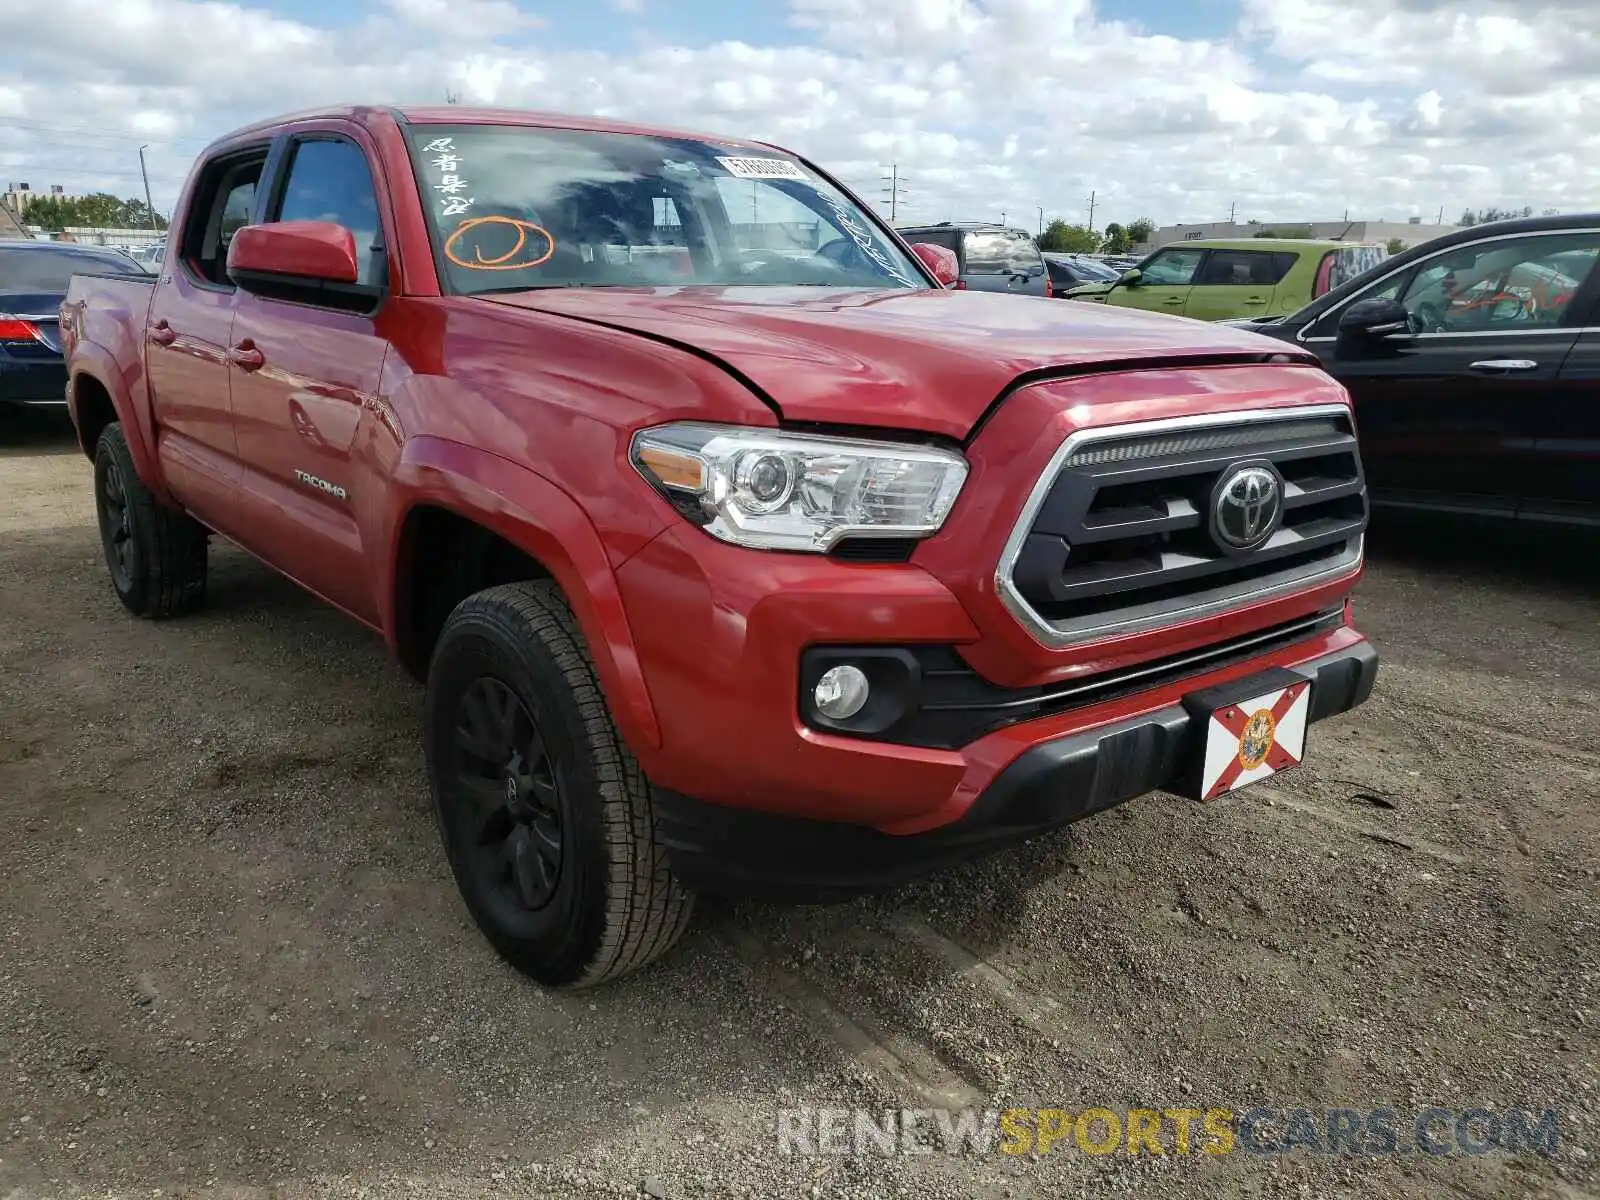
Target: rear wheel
[(545, 815), (156, 554)]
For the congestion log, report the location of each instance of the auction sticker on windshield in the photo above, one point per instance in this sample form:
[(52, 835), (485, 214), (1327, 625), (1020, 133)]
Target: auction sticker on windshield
[(762, 168)]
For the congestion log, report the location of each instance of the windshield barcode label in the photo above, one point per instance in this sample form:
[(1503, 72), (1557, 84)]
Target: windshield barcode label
[(762, 168)]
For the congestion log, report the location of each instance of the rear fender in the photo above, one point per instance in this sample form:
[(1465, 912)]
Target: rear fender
[(538, 517), (126, 387)]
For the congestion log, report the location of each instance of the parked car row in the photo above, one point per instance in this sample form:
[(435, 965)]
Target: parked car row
[(1216, 280), (1474, 364), (33, 283), (1473, 360)]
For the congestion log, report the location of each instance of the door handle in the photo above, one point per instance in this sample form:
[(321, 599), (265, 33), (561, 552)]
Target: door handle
[(1502, 366), (163, 334), (1174, 300), (1255, 300), (246, 357)]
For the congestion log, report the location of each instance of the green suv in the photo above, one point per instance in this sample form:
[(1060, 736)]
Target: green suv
[(1222, 279)]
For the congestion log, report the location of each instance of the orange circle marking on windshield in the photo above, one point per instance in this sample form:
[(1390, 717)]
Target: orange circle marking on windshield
[(501, 262)]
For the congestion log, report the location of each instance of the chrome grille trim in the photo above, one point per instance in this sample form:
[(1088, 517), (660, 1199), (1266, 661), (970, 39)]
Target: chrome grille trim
[(1147, 432)]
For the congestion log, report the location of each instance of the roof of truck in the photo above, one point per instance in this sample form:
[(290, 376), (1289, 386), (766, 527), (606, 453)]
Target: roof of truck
[(458, 114)]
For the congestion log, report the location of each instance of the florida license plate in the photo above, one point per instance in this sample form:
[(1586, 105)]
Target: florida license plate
[(1255, 739)]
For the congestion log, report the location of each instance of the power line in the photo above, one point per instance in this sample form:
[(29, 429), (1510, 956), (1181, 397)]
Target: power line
[(894, 191), (29, 125)]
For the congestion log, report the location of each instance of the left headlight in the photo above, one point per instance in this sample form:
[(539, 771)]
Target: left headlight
[(790, 491)]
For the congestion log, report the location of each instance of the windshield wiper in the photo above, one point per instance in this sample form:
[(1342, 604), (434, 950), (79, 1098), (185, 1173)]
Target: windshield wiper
[(527, 287)]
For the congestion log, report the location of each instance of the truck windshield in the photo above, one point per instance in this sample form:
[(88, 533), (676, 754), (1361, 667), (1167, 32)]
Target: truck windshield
[(512, 207)]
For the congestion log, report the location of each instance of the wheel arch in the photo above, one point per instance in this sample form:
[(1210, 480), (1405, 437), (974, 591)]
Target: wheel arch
[(464, 518)]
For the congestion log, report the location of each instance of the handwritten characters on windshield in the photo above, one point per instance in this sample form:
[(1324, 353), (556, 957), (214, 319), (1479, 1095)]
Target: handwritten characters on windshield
[(511, 244), (862, 237), (450, 186)]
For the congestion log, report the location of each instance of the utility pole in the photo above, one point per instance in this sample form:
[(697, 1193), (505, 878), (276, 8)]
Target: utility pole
[(1002, 216), (1040, 207), (1232, 208), (145, 175), (892, 193), (1091, 210)]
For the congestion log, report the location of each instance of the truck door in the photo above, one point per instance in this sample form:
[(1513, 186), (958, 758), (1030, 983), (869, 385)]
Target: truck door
[(305, 370), (187, 337)]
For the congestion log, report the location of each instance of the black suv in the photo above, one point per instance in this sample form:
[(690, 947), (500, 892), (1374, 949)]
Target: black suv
[(992, 258), (1474, 364)]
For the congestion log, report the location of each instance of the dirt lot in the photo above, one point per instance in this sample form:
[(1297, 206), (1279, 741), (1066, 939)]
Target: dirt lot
[(232, 962)]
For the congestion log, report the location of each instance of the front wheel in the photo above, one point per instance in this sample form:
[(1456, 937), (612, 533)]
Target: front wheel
[(545, 815)]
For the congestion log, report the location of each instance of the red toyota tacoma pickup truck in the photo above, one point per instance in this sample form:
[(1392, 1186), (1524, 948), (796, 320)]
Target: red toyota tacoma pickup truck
[(740, 550)]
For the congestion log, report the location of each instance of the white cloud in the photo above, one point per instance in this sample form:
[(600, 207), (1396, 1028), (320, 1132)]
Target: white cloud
[(1384, 107)]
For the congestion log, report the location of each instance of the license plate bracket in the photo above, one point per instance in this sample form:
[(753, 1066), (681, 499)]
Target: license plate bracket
[(1246, 732)]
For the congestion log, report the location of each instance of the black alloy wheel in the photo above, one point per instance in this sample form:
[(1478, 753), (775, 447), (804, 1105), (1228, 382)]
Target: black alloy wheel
[(116, 530), (514, 813)]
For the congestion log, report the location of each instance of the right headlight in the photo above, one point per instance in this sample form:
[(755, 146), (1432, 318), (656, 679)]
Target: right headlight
[(788, 491)]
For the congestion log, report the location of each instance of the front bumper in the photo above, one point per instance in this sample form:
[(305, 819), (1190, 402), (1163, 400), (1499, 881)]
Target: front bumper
[(741, 852)]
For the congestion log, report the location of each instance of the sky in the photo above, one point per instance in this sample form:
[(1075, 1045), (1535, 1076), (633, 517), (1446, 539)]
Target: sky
[(1176, 110)]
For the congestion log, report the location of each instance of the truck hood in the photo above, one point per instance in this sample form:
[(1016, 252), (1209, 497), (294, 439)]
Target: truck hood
[(928, 360)]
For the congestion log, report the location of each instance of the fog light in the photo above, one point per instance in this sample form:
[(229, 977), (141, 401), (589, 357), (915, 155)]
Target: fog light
[(841, 692)]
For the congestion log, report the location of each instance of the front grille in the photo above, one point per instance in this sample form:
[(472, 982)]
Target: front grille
[(1117, 535)]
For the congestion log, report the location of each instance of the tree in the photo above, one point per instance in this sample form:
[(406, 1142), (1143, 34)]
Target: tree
[(50, 212), (1484, 215), (1394, 245), (1140, 231), (1069, 239), (1116, 239), (135, 215), (99, 211)]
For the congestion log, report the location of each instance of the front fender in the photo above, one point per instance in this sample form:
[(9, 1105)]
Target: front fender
[(126, 386), (532, 513)]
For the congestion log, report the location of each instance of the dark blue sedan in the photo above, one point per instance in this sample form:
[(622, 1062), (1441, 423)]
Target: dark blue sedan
[(33, 282)]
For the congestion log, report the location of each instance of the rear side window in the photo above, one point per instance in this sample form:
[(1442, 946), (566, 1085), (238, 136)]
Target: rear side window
[(224, 201), (1246, 268), (1340, 266), (329, 181), (998, 253)]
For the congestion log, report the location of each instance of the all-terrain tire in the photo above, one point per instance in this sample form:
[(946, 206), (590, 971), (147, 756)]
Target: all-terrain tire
[(156, 554), (512, 657)]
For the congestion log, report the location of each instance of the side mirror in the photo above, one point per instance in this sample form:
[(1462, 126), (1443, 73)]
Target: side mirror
[(303, 252), (1131, 278), (1374, 319), (940, 261)]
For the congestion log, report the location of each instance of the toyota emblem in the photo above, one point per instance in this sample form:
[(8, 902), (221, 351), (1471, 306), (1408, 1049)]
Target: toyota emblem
[(1246, 506)]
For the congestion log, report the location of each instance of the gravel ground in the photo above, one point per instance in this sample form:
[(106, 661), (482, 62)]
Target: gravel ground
[(232, 962)]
